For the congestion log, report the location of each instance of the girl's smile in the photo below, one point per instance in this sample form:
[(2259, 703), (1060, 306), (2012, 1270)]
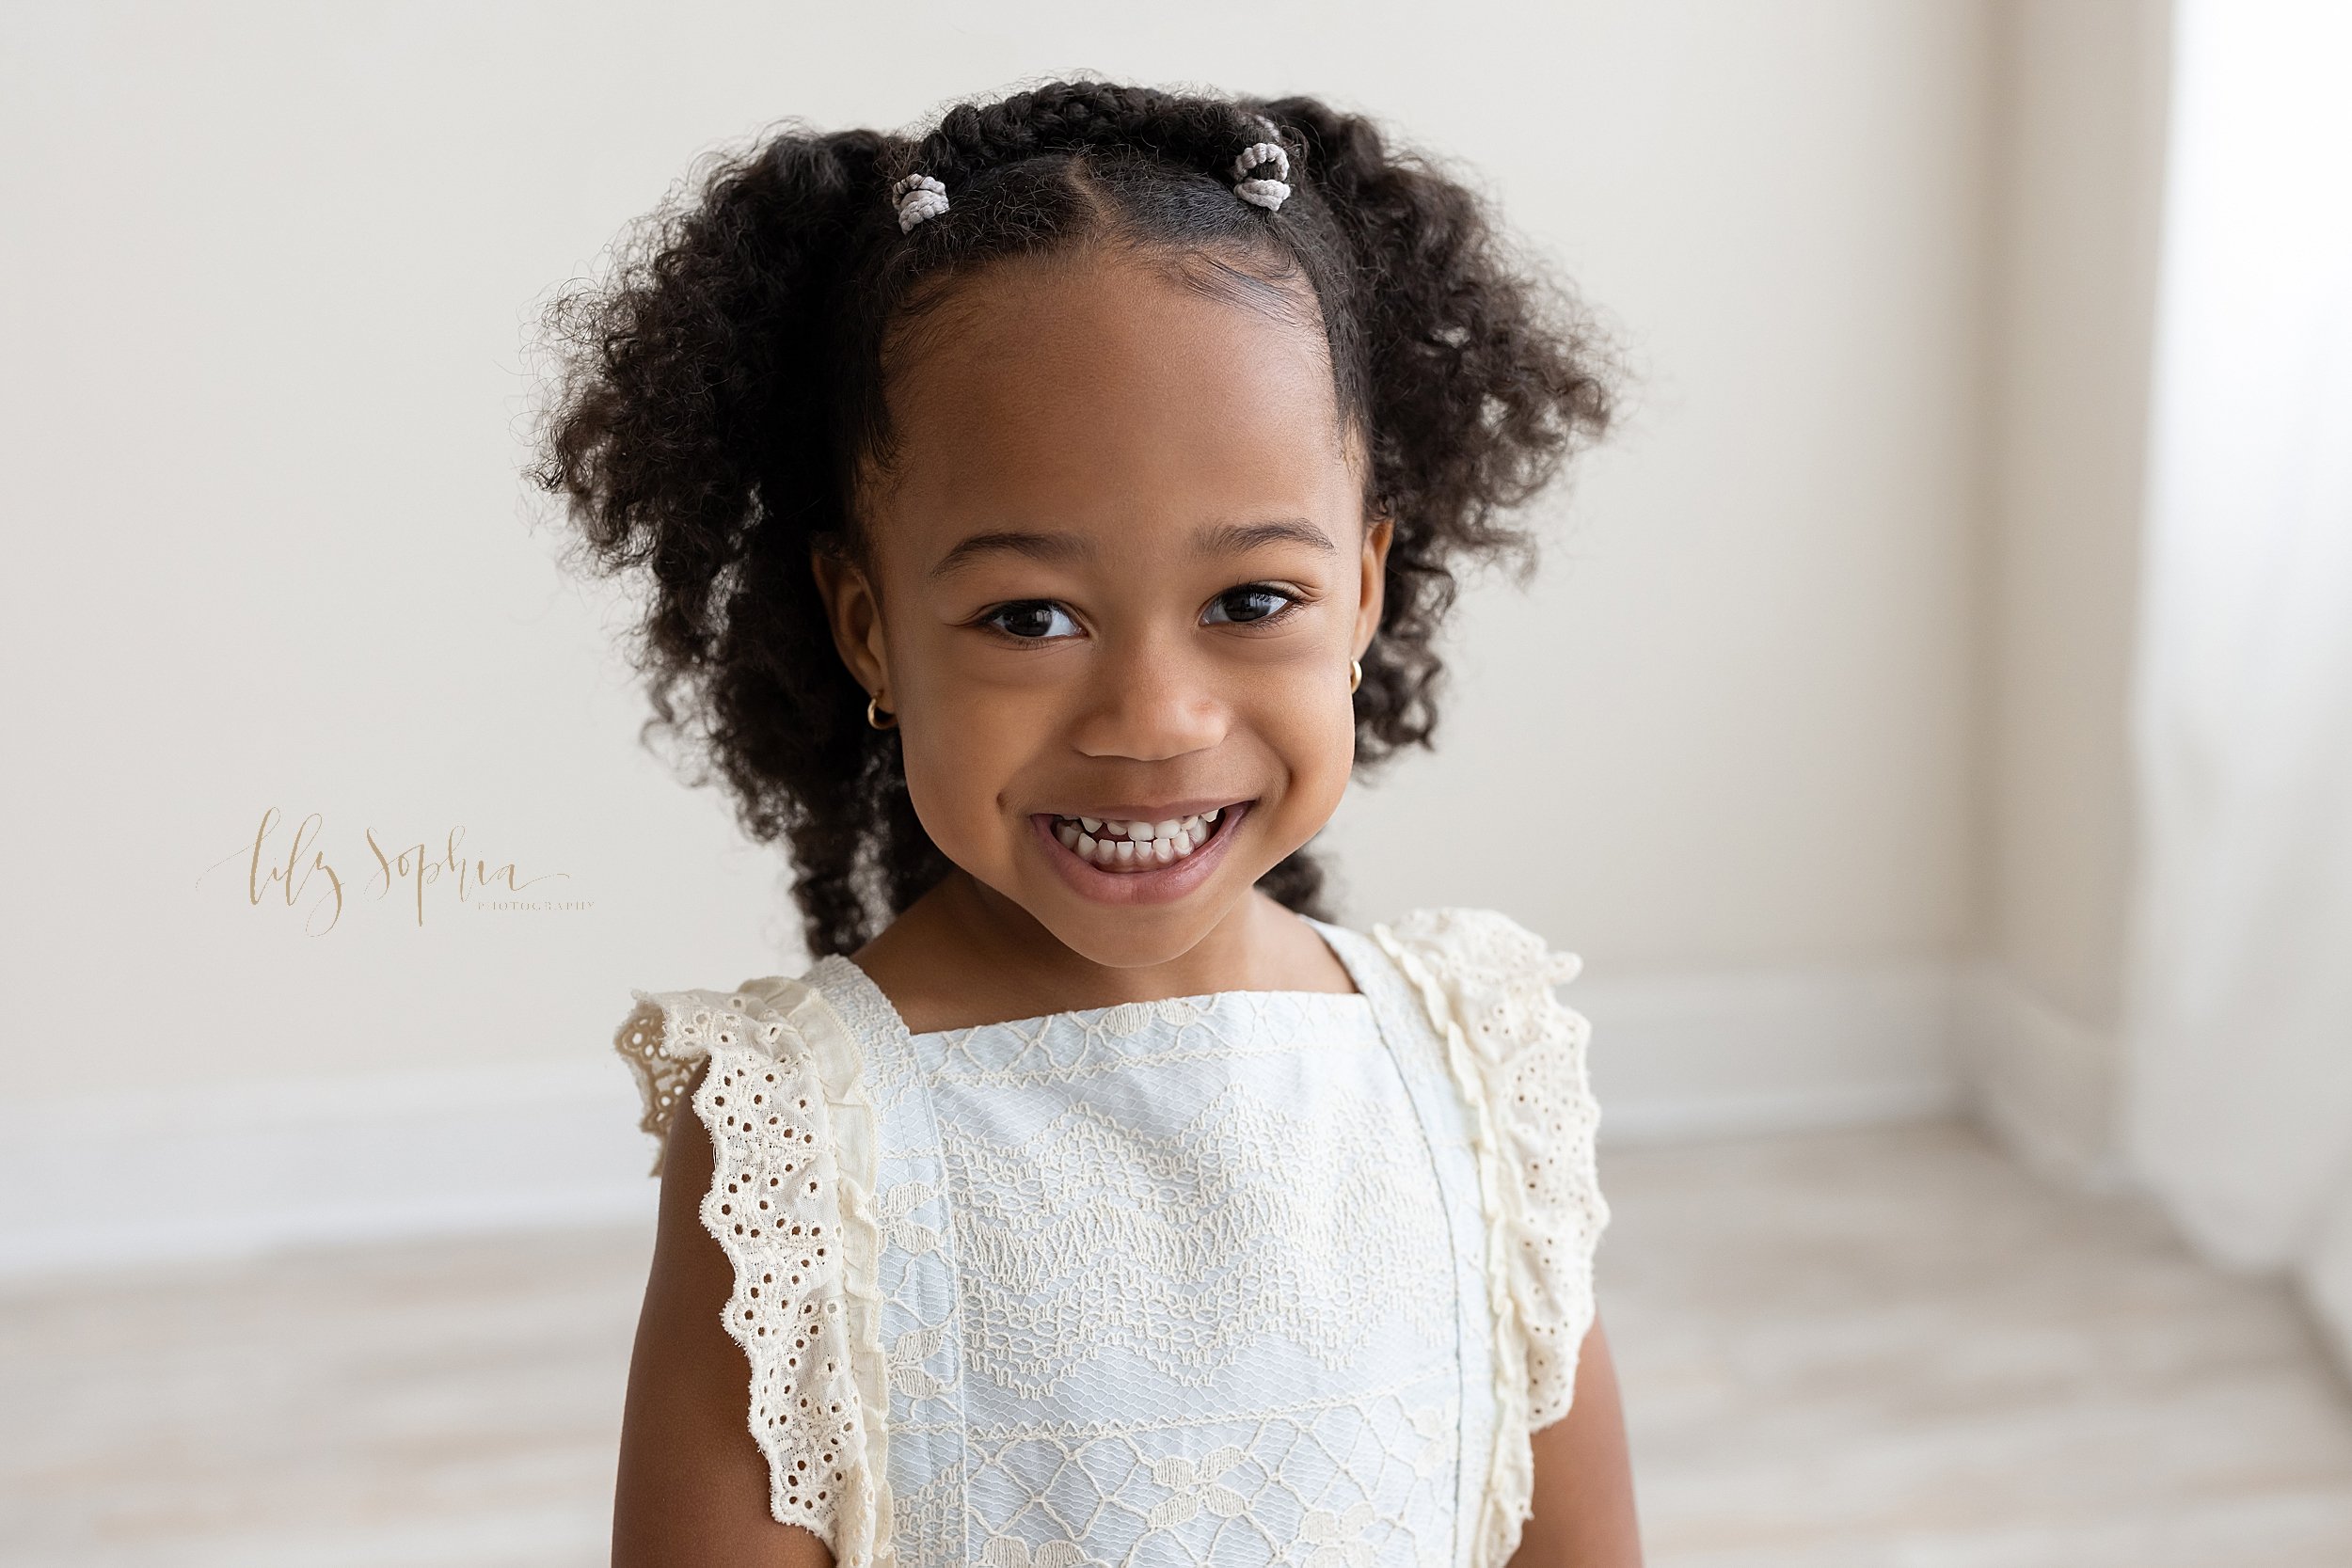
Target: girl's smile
[(1132, 859)]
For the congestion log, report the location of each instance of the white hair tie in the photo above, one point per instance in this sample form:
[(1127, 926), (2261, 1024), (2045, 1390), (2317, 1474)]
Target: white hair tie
[(919, 196), (1269, 194)]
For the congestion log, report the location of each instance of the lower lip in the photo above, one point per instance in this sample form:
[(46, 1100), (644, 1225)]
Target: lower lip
[(1160, 885)]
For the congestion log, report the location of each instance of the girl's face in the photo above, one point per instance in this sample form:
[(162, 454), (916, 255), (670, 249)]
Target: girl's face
[(1121, 565)]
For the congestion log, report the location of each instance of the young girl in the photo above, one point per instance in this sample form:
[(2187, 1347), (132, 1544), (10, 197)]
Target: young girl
[(1042, 518)]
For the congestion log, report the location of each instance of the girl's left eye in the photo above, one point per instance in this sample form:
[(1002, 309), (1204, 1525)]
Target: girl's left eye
[(1032, 621), (1242, 606)]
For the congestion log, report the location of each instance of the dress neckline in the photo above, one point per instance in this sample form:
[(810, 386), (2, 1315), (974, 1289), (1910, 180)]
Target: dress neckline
[(1339, 938)]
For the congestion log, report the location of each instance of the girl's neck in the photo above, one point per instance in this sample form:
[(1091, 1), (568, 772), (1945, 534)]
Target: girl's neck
[(963, 955)]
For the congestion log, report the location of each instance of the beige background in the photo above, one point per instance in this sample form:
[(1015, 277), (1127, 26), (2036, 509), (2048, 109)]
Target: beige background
[(1816, 703), (1811, 736)]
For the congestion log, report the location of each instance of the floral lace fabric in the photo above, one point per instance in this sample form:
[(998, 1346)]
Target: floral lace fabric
[(1517, 1057), (789, 1204), (1249, 1278)]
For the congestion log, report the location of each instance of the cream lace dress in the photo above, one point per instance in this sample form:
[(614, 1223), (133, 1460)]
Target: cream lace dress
[(1244, 1278)]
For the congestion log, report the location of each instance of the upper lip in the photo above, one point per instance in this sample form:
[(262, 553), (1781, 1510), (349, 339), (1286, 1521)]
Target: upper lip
[(1170, 811)]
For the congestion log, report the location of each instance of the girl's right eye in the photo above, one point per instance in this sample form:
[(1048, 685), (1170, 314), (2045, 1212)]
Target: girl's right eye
[(1032, 621)]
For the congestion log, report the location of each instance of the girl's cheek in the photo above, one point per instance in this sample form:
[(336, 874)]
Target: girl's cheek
[(962, 755), (1318, 743)]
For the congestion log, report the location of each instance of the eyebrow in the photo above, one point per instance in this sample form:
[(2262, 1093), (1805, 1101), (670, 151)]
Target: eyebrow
[(1234, 538), (1223, 539), (1037, 546)]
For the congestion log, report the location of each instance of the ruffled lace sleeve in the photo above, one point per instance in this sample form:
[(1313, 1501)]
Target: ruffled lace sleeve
[(1517, 1054), (792, 1205)]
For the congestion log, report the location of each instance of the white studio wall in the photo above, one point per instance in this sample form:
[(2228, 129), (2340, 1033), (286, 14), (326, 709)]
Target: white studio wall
[(2080, 96), (274, 270)]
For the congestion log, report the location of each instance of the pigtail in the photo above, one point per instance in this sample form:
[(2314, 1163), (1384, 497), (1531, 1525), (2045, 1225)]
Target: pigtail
[(1479, 385), (696, 443)]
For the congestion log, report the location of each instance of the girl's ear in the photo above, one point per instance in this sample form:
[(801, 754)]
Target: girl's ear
[(855, 616), (1375, 577)]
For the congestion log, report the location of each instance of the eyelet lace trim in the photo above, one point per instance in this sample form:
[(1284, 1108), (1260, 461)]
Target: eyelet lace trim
[(791, 1204), (1517, 1054)]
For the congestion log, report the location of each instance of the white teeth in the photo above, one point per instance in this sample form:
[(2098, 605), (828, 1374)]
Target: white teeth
[(1136, 843)]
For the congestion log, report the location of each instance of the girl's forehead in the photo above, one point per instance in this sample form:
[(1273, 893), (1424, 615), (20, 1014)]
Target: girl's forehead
[(1081, 388)]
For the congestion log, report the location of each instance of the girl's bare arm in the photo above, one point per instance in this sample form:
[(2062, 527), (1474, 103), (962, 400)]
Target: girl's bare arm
[(1584, 1477), (694, 1486)]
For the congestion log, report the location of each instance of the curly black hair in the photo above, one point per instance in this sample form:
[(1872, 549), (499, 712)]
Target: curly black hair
[(722, 394)]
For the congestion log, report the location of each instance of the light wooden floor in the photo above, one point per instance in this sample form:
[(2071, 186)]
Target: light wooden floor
[(1895, 1350), (1887, 1348)]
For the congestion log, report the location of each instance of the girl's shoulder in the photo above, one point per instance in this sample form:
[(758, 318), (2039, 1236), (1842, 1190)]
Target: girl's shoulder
[(1483, 944), (1483, 971), (668, 1034)]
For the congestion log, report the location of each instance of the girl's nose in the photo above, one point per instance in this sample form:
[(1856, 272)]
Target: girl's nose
[(1147, 703)]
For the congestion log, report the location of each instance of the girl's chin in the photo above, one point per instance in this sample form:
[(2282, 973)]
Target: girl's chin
[(1129, 885)]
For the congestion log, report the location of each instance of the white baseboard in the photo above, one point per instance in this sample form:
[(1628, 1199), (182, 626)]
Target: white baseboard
[(1772, 1051), (238, 1169), (2045, 1084)]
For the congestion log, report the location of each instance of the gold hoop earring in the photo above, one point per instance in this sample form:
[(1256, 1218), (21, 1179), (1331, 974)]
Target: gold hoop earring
[(1355, 674), (874, 714)]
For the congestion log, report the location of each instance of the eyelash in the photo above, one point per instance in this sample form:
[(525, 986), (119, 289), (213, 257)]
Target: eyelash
[(1290, 603)]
